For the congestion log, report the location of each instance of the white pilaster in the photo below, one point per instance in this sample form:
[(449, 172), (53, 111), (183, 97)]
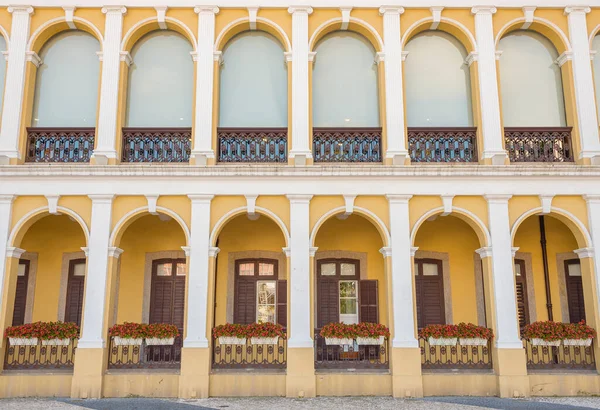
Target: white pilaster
[(394, 97), (15, 83), (593, 209), (92, 336), (203, 124), (5, 221), (402, 277), (109, 89), (584, 84), (491, 127), (299, 324), (300, 151), (197, 300), (505, 306)]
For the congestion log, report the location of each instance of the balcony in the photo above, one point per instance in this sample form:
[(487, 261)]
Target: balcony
[(350, 357), (39, 357), (549, 144), (260, 145), (60, 144), (162, 145), (452, 144), (559, 357), (249, 356), (144, 356), (455, 357), (357, 145)]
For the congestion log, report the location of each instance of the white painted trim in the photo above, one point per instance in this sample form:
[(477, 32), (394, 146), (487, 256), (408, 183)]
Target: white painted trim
[(52, 203), (13, 252), (6, 36), (593, 34), (464, 29), (140, 23), (287, 45), (311, 42), (557, 29), (76, 19), (546, 201), (584, 253)]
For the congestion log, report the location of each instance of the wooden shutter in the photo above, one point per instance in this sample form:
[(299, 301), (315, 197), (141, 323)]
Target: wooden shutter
[(245, 302), (574, 294), (521, 289), (178, 301), (75, 291), (369, 311), (430, 295), (21, 294), (161, 301), (328, 302), (282, 302)]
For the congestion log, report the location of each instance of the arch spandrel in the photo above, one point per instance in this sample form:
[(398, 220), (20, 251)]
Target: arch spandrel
[(449, 26), (242, 25), (355, 25), (541, 26), (150, 25), (59, 25)]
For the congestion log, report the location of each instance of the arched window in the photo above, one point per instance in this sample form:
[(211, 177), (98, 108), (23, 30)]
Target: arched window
[(344, 82), (66, 88), (161, 81), (437, 82), (531, 83), (596, 66), (2, 71)]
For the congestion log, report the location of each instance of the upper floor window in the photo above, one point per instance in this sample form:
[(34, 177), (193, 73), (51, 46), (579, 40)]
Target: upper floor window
[(254, 79), (161, 81), (344, 82), (437, 82), (66, 88), (531, 82)]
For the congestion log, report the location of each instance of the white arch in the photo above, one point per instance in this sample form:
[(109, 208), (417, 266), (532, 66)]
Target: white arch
[(557, 29), (141, 209), (352, 19), (5, 35), (61, 209), (593, 34), (560, 211), (342, 209), (446, 20), (243, 209), (440, 210), (140, 23), (62, 18), (288, 45)]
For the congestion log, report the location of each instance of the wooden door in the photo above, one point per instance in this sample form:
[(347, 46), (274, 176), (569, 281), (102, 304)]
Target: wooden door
[(429, 285), (521, 290), (574, 290), (75, 291), (21, 293)]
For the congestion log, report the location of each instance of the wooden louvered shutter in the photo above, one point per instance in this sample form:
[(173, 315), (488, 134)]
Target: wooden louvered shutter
[(75, 291), (521, 289), (21, 293), (429, 294), (328, 303), (574, 291), (245, 302), (161, 301), (369, 311), (282, 302), (179, 302)]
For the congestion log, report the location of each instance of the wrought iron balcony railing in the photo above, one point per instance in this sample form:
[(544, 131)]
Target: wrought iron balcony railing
[(37, 357), (451, 144), (60, 144), (347, 145), (350, 356), (144, 356), (455, 357), (250, 356), (252, 145), (549, 144), (157, 144), (559, 357)]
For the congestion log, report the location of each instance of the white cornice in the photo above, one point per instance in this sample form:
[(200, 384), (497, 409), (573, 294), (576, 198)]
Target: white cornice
[(126, 57), (33, 58), (564, 57)]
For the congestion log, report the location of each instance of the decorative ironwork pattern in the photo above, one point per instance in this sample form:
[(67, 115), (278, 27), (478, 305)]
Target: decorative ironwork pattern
[(559, 357), (456, 144), (157, 144), (59, 144), (347, 144), (455, 357), (252, 144), (538, 144), (249, 356), (40, 357), (350, 356), (144, 356)]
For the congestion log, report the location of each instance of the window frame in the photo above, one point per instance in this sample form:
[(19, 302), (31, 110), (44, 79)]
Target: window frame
[(256, 278)]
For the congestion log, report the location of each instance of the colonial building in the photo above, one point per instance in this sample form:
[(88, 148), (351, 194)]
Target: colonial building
[(196, 163)]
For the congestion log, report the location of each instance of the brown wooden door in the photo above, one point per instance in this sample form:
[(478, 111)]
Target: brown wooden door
[(258, 295), (429, 286), (521, 289), (75, 291), (21, 293), (167, 295), (574, 290)]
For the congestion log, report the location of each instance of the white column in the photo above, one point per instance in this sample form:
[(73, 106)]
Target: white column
[(299, 281), (5, 222), (491, 127), (97, 273), (300, 150), (197, 300), (593, 209), (15, 83), (109, 90), (203, 124), (402, 276), (505, 302), (584, 84), (394, 93)]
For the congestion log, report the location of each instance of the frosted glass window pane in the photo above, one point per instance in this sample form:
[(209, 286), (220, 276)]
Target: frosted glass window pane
[(266, 269), (247, 269), (79, 269), (2, 71), (345, 82), (328, 269), (22, 269), (437, 82), (596, 65), (164, 269), (161, 81), (517, 269), (574, 269), (531, 83), (180, 269), (265, 302), (348, 269), (254, 82), (66, 87), (430, 269)]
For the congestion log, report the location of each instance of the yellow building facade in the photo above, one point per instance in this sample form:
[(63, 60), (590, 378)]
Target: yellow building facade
[(401, 164)]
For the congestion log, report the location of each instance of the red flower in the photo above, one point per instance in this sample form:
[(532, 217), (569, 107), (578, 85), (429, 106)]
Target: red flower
[(44, 330), (551, 331)]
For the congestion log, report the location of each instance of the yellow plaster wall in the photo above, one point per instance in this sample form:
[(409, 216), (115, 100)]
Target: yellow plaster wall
[(474, 204), (518, 205), (180, 204), (420, 205), (146, 385), (124, 204), (35, 385), (82, 205), (564, 384), (448, 384), (450, 235), (320, 205), (221, 205), (279, 205), (366, 384), (25, 204), (573, 204), (147, 234), (240, 385)]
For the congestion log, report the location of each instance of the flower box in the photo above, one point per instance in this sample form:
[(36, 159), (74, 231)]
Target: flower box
[(577, 342), (23, 341), (127, 341), (473, 341), (442, 341), (232, 340), (339, 340), (541, 342), (160, 341), (264, 340), (56, 342), (379, 340)]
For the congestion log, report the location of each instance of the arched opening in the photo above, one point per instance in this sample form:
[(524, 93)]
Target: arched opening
[(439, 111), (158, 118), (533, 103), (346, 120), (253, 100), (63, 117)]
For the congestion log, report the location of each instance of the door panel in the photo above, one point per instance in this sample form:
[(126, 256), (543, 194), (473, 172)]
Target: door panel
[(21, 293), (75, 291)]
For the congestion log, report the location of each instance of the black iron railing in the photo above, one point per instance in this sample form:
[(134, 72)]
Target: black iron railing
[(60, 144), (252, 144), (144, 356), (549, 144), (559, 357), (37, 357), (451, 144), (249, 356), (352, 356), (455, 357), (347, 144), (157, 144)]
